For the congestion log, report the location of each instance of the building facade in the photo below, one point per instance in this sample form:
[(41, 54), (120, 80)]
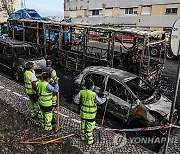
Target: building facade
[(148, 14), (3, 13)]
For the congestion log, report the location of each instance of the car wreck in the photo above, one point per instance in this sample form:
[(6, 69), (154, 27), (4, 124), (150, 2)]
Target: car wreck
[(130, 99), (15, 54)]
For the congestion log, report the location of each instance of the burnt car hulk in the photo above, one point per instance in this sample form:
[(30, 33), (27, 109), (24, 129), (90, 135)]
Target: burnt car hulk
[(15, 54), (130, 98)]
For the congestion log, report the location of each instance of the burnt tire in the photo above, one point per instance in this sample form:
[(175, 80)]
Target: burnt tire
[(154, 51), (137, 123), (17, 75), (140, 123)]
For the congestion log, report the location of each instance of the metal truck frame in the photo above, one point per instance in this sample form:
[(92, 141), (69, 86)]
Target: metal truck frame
[(76, 46)]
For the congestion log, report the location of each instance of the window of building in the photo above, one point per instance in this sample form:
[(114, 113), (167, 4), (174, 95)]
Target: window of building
[(130, 11), (171, 10), (146, 10), (95, 12), (85, 13)]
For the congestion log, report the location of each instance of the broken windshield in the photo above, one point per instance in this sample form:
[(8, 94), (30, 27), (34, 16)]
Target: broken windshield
[(27, 53), (140, 88)]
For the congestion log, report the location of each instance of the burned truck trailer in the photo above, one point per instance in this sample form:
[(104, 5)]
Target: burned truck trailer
[(76, 46)]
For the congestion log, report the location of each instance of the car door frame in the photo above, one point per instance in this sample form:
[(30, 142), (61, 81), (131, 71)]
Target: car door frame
[(125, 118), (95, 87)]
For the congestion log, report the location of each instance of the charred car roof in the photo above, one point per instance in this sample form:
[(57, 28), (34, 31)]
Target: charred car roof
[(112, 72), (15, 43)]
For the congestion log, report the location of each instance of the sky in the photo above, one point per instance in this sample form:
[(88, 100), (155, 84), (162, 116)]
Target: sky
[(46, 7)]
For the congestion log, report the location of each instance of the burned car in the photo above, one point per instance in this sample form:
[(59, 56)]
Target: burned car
[(130, 98), (15, 54)]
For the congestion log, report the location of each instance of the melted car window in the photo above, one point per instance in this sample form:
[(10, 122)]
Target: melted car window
[(26, 52), (7, 52), (87, 77), (117, 89), (140, 88), (96, 78)]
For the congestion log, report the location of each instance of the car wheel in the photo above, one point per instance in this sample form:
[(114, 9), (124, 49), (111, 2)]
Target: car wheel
[(154, 51), (17, 75), (170, 55), (175, 119), (163, 132), (139, 123)]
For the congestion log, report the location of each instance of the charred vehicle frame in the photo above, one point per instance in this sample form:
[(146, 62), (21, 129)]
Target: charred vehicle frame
[(130, 98), (75, 46), (15, 54)]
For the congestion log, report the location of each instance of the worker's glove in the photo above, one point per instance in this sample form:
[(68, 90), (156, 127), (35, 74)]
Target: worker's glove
[(56, 81), (102, 94), (52, 83)]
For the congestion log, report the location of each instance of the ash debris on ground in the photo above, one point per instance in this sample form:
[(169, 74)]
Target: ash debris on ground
[(16, 127)]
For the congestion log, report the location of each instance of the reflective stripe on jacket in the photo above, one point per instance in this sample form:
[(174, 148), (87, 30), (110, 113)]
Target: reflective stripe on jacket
[(54, 100), (88, 105), (28, 85), (45, 97)]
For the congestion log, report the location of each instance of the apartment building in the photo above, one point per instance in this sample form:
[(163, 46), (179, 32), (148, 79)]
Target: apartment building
[(147, 14), (3, 13)]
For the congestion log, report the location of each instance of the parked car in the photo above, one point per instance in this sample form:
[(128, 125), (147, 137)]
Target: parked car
[(27, 14), (15, 54), (130, 98)]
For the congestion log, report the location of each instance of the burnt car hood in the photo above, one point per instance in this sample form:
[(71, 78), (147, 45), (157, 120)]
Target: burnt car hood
[(162, 106), (39, 64)]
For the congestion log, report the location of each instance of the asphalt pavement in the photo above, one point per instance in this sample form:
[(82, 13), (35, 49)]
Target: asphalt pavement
[(170, 71)]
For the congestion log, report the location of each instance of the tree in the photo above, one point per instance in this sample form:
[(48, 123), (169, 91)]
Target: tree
[(7, 6)]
